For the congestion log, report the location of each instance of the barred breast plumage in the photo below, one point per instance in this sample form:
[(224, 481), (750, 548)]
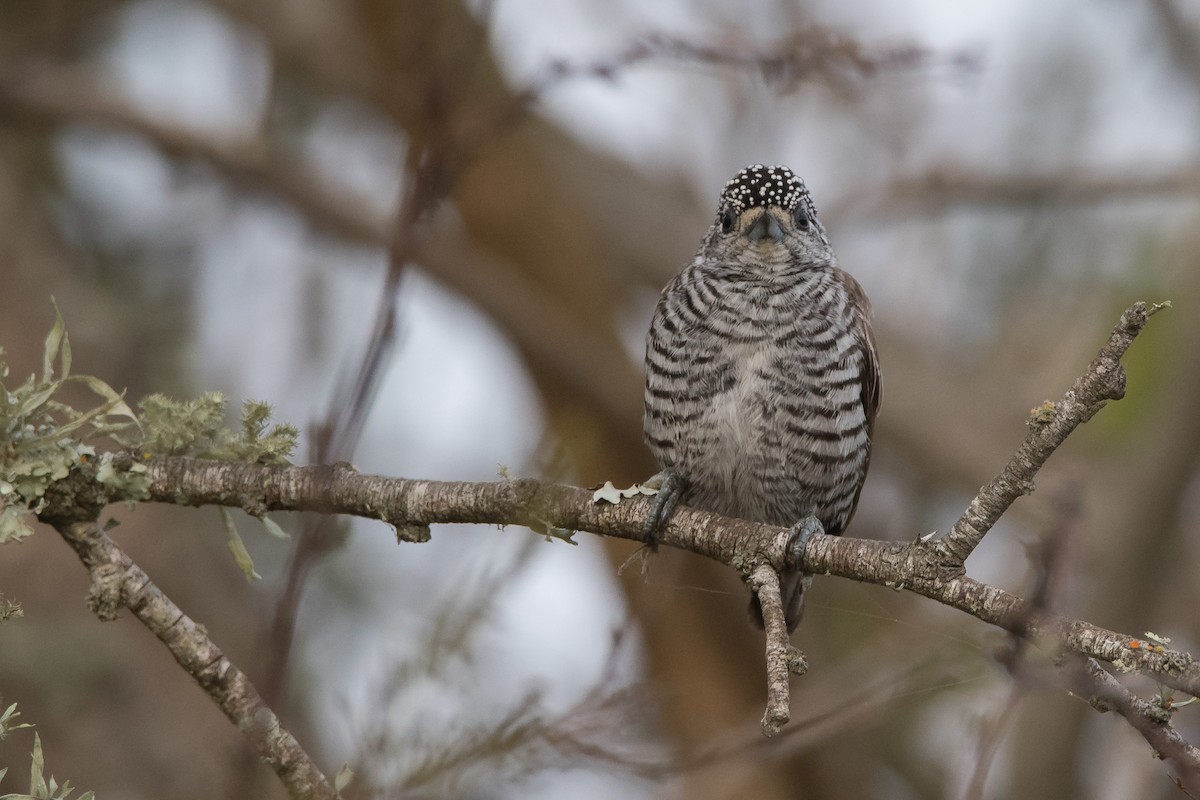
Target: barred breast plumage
[(762, 382)]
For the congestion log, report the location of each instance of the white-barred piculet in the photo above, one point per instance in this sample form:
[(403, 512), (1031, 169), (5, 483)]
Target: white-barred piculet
[(762, 380)]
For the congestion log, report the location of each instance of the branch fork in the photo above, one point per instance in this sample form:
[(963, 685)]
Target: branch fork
[(1052, 423), (118, 582)]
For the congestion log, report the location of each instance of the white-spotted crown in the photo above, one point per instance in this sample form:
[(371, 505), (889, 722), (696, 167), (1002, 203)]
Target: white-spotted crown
[(758, 185)]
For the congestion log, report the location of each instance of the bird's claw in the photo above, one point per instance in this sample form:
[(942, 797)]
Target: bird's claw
[(802, 532), (670, 489)]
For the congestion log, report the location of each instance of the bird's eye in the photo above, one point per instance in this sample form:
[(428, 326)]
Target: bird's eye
[(800, 217), (727, 220)]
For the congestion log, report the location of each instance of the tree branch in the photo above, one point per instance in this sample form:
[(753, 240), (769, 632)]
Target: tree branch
[(782, 658), (117, 581), (960, 186), (412, 505), (1049, 426)]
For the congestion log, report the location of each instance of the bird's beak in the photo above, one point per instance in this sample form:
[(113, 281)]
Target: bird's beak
[(766, 226)]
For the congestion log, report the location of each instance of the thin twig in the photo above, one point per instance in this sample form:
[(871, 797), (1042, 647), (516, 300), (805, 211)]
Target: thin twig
[(337, 436), (961, 186), (56, 94), (781, 656), (810, 52)]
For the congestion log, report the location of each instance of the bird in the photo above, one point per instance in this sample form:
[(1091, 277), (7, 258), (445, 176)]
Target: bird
[(762, 377)]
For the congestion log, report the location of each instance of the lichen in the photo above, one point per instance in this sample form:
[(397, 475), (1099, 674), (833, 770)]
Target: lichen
[(43, 441)]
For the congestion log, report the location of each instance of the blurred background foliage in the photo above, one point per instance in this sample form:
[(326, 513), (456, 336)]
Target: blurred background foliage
[(226, 195)]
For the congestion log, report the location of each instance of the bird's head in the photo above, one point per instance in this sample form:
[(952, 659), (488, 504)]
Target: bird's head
[(766, 223)]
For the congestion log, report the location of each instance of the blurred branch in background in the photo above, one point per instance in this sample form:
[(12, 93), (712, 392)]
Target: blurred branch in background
[(1050, 557), (949, 186)]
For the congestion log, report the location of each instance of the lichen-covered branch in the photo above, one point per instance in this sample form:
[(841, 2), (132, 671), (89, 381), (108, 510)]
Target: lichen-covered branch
[(117, 582)]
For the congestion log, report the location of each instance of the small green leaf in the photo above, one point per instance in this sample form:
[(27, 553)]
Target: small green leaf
[(343, 777), (7, 725), (65, 355), (53, 344), (37, 782), (115, 405), (1157, 307), (39, 787), (273, 528), (34, 401), (9, 610), (236, 546)]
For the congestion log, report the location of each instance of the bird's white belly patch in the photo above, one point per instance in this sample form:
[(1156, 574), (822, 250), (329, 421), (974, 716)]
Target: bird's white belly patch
[(735, 418)]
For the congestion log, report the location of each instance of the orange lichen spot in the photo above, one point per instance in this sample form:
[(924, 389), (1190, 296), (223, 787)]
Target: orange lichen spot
[(1135, 644)]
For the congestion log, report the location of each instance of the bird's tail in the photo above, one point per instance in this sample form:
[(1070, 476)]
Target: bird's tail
[(793, 585)]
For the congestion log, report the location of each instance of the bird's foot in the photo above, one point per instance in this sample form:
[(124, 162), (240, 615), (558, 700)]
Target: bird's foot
[(802, 532), (671, 486)]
